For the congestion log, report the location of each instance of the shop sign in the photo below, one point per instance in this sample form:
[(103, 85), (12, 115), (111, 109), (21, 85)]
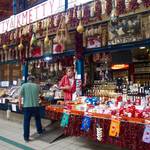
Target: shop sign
[(34, 14), (4, 83)]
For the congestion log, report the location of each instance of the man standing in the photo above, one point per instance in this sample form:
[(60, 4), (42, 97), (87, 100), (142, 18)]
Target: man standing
[(30, 94)]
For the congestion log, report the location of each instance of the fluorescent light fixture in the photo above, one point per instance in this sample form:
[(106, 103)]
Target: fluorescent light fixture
[(47, 58), (142, 47)]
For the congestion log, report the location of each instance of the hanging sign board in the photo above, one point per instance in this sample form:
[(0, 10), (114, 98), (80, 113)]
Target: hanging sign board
[(36, 13)]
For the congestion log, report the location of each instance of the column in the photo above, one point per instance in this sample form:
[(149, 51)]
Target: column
[(25, 71)]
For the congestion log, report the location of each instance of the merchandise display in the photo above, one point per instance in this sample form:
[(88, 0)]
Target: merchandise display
[(92, 63)]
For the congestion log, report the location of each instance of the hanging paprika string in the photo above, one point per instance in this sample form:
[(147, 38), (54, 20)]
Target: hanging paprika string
[(108, 7), (98, 10), (133, 5), (121, 8), (78, 44), (146, 3)]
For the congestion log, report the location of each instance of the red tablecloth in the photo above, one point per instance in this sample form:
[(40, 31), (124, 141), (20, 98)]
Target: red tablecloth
[(130, 133)]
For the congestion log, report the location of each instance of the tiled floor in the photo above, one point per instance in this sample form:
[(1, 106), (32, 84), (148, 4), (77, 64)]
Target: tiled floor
[(13, 131)]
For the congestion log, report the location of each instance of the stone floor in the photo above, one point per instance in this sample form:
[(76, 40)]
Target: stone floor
[(11, 138)]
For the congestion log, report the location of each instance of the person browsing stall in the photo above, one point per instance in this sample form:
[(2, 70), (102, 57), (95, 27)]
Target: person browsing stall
[(30, 93)]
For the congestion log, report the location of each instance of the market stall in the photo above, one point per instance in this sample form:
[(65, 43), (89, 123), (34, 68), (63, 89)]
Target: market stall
[(110, 40)]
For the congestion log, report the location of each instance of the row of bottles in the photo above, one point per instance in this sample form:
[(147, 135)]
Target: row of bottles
[(136, 89)]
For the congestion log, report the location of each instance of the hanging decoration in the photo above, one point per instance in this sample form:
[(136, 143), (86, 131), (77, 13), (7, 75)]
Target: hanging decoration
[(65, 120), (114, 128), (20, 46), (80, 27), (92, 9), (114, 15), (86, 14), (98, 9), (146, 3), (78, 45), (5, 47), (109, 5), (33, 40), (79, 12), (46, 40), (99, 133), (146, 135), (86, 123), (35, 48), (120, 7), (133, 5)]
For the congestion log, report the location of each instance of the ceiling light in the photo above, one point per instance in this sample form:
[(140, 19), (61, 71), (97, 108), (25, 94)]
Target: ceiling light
[(142, 47)]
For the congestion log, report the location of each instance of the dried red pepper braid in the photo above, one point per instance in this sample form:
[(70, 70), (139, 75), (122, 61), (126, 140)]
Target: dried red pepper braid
[(146, 3), (78, 45), (121, 7), (86, 16), (108, 7), (133, 5), (98, 9)]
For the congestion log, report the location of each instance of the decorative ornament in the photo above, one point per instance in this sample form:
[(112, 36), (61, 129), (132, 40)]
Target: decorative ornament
[(46, 40), (108, 7), (60, 66), (99, 134), (51, 68), (120, 7), (67, 35), (86, 123), (139, 1), (65, 120), (33, 40), (74, 12), (113, 16), (80, 27), (55, 67), (20, 46), (66, 18), (114, 128), (86, 14), (92, 10), (79, 12), (133, 5), (146, 135), (103, 6), (98, 9), (146, 3), (5, 46)]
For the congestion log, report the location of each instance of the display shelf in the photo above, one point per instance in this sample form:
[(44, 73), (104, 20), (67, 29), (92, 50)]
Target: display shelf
[(9, 62), (141, 73), (120, 47), (60, 55)]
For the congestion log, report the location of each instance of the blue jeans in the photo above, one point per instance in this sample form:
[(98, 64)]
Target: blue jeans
[(28, 113)]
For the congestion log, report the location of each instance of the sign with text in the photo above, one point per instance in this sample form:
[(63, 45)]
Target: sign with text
[(36, 13)]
